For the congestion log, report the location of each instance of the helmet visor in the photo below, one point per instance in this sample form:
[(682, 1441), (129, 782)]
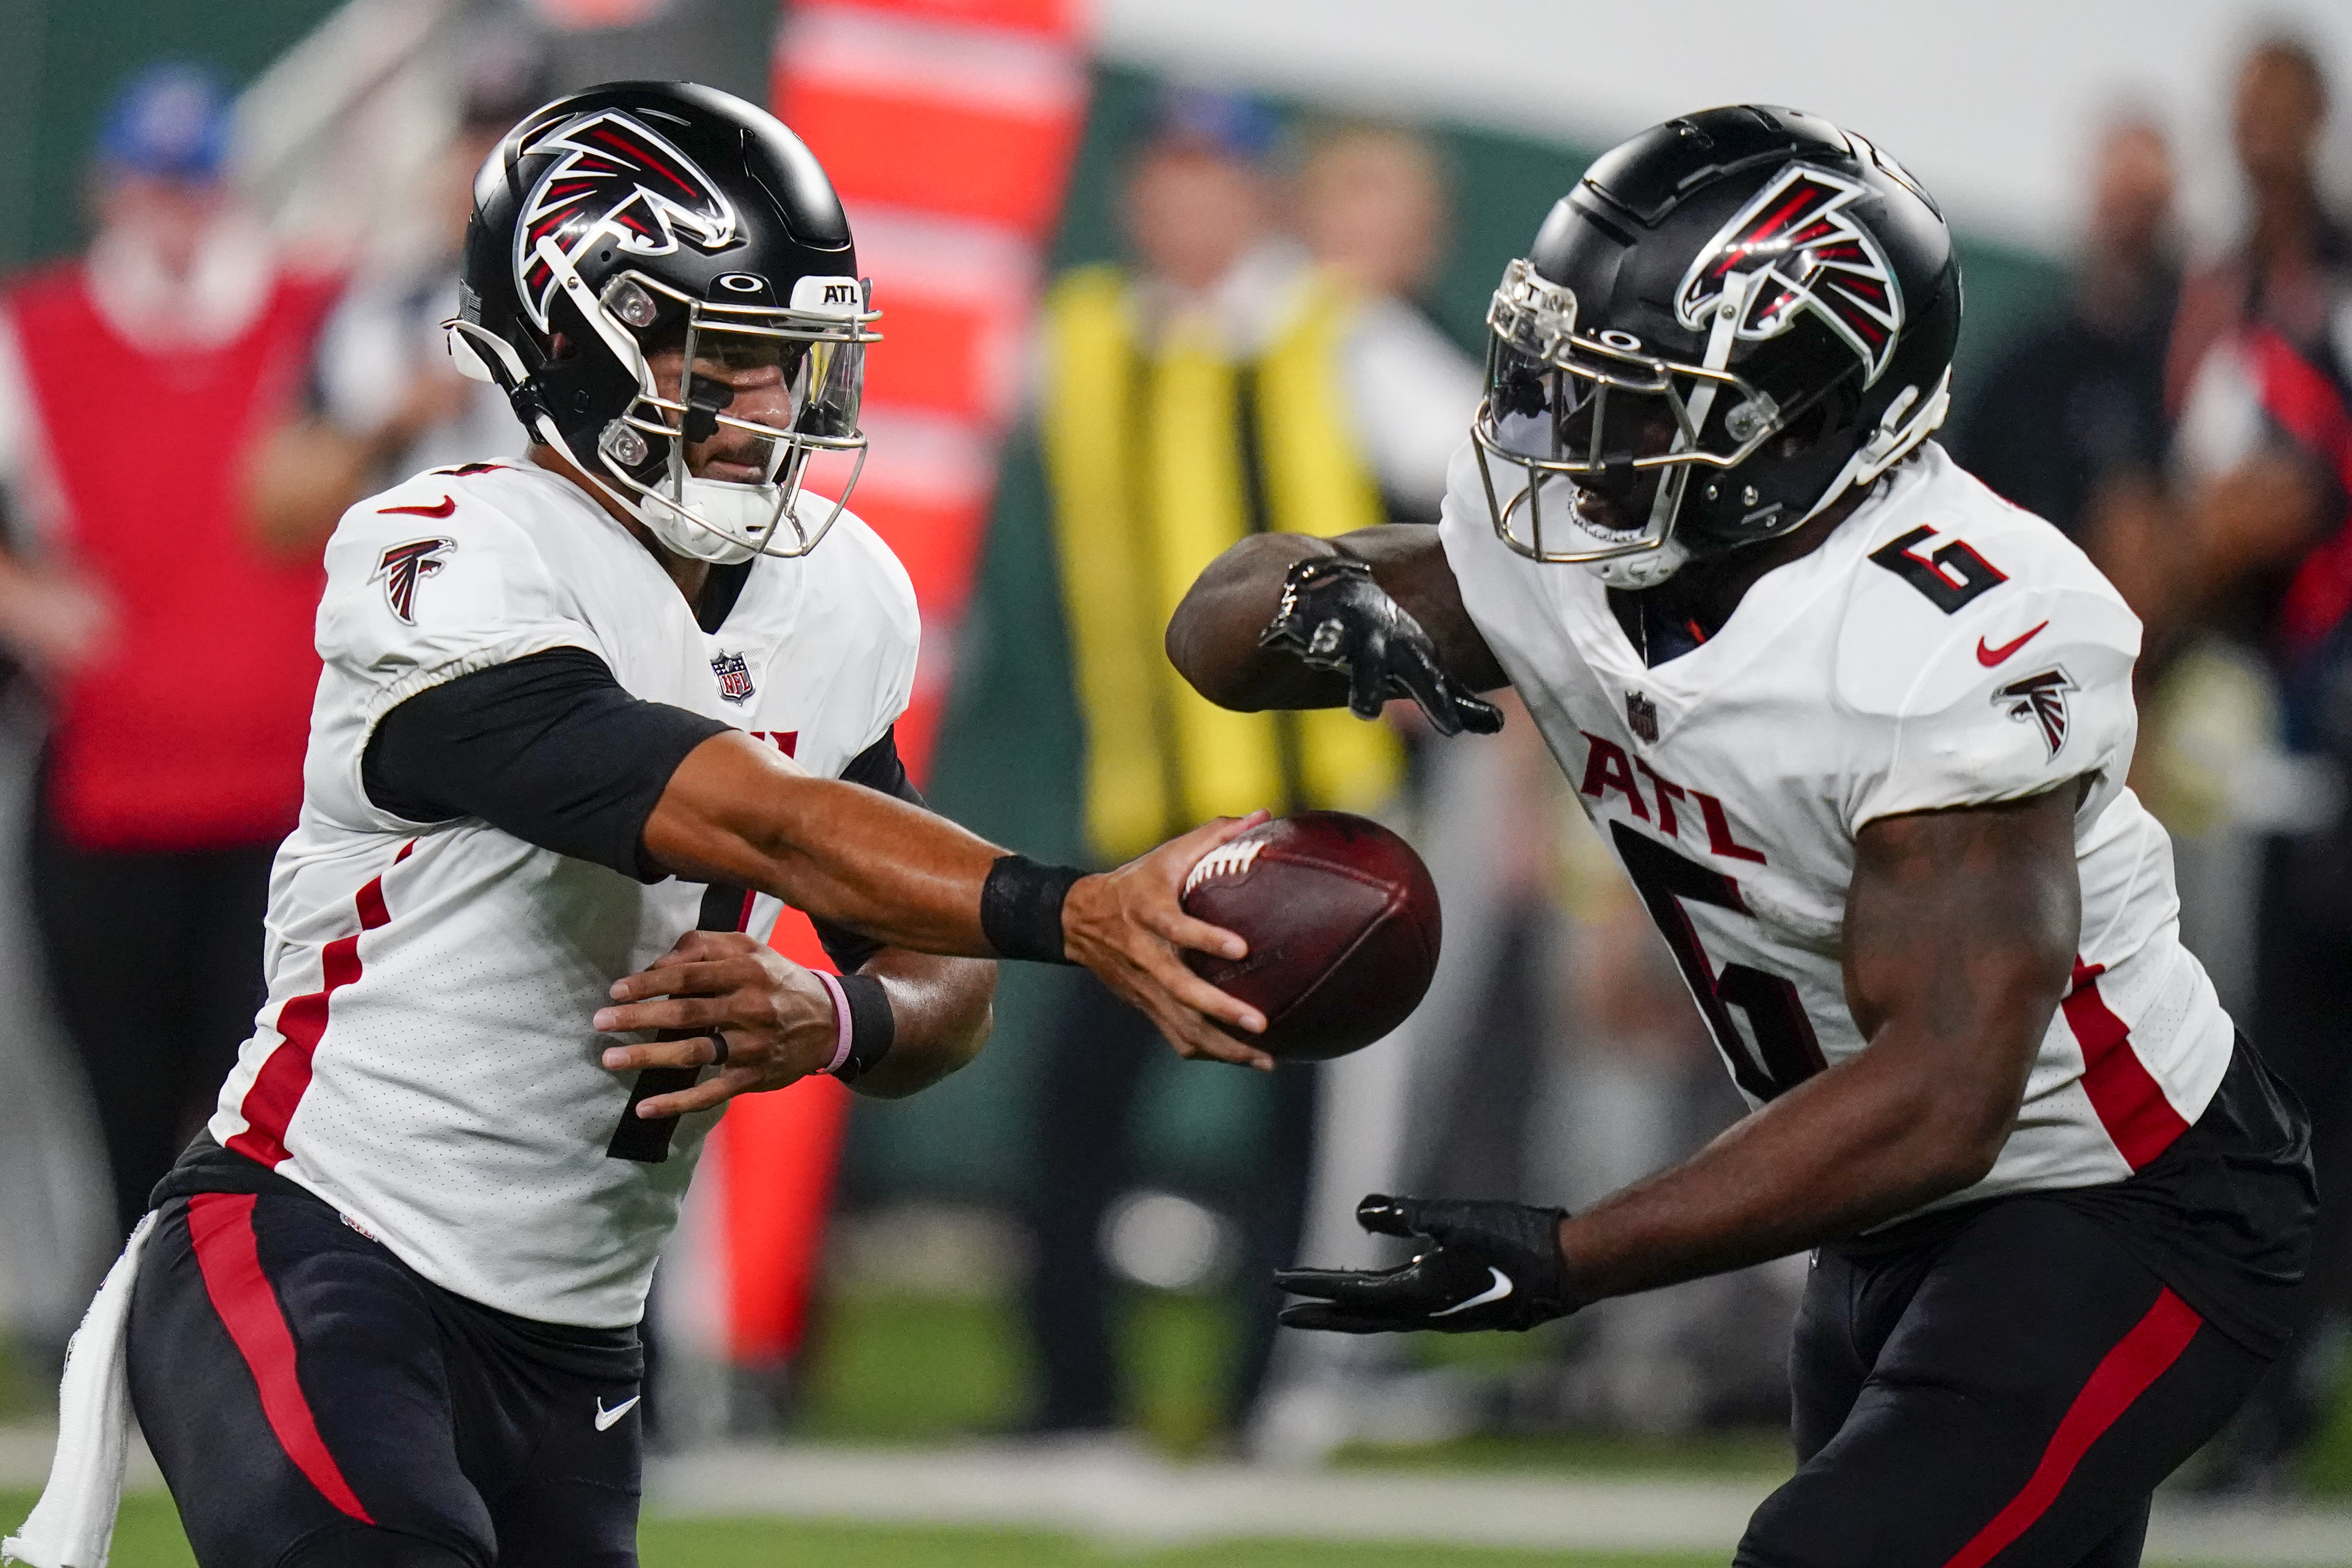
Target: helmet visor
[(735, 401)]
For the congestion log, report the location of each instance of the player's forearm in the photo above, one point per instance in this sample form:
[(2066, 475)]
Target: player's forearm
[(1213, 638), (943, 1009), (1871, 1139), (739, 813)]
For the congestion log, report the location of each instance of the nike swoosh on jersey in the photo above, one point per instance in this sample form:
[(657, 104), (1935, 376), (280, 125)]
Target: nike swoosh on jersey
[(449, 504), (604, 1418), (1495, 1293), (1988, 656)]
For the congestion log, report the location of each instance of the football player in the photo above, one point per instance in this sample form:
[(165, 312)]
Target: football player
[(1857, 732), (640, 685)]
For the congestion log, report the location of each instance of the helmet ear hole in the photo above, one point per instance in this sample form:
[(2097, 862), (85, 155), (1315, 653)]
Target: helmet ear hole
[(1803, 432)]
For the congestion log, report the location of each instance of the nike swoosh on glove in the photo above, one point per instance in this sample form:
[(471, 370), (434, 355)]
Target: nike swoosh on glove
[(1495, 1265), (1334, 617)]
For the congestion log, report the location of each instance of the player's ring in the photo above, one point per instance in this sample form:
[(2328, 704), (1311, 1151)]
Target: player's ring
[(718, 1045)]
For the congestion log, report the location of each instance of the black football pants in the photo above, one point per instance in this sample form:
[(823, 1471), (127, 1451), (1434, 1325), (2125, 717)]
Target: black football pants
[(2005, 1396), (314, 1404), (154, 961)]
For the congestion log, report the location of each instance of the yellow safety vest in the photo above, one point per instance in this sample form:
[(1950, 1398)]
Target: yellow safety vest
[(1159, 462)]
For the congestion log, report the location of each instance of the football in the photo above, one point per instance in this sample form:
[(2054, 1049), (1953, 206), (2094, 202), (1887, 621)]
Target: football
[(1342, 921)]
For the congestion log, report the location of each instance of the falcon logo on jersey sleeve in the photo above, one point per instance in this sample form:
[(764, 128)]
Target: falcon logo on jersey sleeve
[(1814, 257), (2039, 700), (402, 565), (619, 183), (734, 677)]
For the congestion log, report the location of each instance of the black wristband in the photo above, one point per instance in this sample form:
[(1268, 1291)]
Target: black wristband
[(872, 1026), (1021, 908)]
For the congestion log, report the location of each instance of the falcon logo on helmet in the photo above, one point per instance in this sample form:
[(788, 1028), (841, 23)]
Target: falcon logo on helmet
[(1814, 257), (616, 180), (2040, 699)]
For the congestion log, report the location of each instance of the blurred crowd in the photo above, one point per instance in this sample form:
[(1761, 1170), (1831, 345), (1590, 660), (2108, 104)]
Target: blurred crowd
[(188, 404), (2188, 421)]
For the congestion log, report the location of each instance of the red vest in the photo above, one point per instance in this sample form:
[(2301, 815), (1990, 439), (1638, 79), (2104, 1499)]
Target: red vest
[(187, 730), (2312, 409)]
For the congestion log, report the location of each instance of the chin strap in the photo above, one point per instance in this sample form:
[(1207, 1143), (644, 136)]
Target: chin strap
[(1890, 443)]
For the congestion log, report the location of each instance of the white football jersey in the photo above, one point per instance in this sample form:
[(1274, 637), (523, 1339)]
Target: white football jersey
[(1942, 649), (425, 1060)]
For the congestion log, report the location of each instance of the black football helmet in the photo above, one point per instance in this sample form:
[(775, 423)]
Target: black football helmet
[(1732, 318), (638, 217)]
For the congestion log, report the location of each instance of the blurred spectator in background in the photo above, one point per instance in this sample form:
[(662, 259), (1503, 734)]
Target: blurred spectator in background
[(2262, 379), (1369, 205), (1222, 384), (1370, 208), (174, 633), (2070, 421), (386, 401)]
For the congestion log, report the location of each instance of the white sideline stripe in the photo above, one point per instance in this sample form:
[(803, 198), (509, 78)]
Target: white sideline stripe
[(1128, 1497), (1133, 1498)]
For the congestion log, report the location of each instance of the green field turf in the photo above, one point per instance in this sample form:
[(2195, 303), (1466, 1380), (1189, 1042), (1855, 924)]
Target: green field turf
[(149, 1537)]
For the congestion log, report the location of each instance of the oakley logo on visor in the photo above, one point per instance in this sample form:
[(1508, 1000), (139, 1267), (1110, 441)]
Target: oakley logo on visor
[(1815, 257), (616, 182)]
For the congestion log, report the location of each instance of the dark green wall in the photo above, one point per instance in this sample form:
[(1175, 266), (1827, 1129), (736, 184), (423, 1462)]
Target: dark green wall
[(60, 64)]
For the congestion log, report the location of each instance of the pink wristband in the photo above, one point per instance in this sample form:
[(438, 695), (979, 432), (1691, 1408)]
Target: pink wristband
[(840, 1019)]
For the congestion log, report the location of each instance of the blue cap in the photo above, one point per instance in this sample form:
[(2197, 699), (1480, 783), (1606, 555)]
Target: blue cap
[(1233, 123), (172, 121)]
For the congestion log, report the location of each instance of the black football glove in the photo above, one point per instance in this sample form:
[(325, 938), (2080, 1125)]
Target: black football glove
[(1495, 1266), (1334, 617)]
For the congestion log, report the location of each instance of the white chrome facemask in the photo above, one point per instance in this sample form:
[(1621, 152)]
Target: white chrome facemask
[(818, 342), (1547, 381)]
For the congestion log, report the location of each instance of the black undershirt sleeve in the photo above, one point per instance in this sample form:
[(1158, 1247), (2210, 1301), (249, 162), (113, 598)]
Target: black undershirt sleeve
[(548, 747), (551, 749)]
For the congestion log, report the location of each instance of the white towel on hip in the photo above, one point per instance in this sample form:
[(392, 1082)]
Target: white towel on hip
[(73, 1524)]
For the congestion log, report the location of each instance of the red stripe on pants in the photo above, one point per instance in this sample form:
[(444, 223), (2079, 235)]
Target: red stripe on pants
[(221, 1226), (2138, 1358), (2129, 1101), (278, 1087)]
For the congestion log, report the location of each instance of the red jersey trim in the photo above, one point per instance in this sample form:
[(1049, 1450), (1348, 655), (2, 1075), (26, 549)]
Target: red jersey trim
[(220, 1226), (2123, 1375), (278, 1088), (2130, 1103)]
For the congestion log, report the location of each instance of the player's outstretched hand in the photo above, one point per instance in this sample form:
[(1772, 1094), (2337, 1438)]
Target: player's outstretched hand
[(1494, 1266), (1334, 617), (774, 1018), (1129, 927)]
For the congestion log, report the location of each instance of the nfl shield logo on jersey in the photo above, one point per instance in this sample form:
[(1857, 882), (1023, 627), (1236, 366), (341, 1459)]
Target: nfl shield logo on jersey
[(734, 677), (1642, 715)]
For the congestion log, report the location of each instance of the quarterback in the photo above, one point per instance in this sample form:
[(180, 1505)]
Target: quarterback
[(1857, 731), (586, 722)]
